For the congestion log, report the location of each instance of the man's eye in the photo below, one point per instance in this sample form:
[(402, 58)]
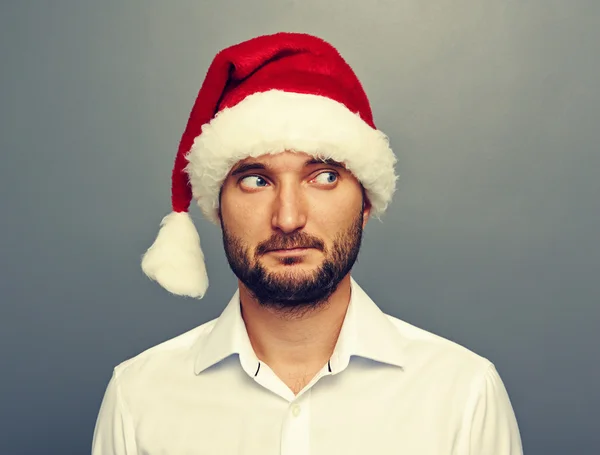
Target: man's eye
[(253, 181), (326, 178)]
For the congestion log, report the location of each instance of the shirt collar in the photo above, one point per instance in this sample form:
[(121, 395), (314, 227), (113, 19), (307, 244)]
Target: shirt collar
[(366, 332), (228, 336)]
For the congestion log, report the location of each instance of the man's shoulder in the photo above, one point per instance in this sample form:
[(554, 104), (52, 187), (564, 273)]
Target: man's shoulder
[(437, 352), (165, 355)]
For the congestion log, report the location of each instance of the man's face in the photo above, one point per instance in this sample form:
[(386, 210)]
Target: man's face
[(292, 227)]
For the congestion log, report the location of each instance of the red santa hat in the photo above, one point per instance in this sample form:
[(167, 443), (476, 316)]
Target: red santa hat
[(275, 93)]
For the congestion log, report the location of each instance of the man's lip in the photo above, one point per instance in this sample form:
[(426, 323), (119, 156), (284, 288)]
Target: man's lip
[(290, 250)]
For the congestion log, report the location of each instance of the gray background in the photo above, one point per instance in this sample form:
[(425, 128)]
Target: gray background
[(491, 241)]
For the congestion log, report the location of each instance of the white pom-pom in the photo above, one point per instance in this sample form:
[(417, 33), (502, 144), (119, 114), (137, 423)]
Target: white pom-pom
[(175, 259)]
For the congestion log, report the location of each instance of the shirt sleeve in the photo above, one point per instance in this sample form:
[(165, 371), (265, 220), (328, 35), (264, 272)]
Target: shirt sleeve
[(490, 421), (113, 434)]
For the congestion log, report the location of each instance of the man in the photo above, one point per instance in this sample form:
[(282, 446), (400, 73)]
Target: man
[(282, 153)]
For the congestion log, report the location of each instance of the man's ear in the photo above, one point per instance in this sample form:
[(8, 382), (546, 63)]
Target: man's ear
[(366, 208), (219, 215)]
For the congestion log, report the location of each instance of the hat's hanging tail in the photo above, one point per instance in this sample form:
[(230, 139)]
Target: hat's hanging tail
[(175, 260)]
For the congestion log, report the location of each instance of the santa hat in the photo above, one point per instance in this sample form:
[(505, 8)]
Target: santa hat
[(275, 93)]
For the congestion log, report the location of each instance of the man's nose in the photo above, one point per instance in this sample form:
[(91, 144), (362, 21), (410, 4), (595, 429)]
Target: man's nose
[(289, 211)]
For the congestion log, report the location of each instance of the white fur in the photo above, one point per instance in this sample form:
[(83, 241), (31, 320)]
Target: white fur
[(277, 121), (175, 259)]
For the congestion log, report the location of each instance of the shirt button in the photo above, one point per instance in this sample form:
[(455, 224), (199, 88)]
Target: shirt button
[(295, 410)]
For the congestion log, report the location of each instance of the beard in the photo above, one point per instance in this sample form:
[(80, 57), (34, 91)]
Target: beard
[(294, 292)]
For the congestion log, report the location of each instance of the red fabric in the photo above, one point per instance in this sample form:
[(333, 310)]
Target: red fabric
[(291, 62)]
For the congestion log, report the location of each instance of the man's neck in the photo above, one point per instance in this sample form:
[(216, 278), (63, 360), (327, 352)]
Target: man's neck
[(295, 344)]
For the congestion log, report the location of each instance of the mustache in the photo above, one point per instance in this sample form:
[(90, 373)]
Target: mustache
[(288, 241)]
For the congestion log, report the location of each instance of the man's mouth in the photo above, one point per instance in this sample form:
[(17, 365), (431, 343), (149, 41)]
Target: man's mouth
[(295, 250)]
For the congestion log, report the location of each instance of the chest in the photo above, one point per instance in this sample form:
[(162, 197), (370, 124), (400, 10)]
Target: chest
[(331, 417)]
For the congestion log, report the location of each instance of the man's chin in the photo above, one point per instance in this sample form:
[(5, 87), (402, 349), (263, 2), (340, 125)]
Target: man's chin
[(293, 287), (292, 276)]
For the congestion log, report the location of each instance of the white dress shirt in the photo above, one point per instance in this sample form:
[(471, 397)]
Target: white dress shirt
[(389, 388)]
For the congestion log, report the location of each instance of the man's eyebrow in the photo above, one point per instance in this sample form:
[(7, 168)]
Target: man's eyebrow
[(328, 161), (244, 167)]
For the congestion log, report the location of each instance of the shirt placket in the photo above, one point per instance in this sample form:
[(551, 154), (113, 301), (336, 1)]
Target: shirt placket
[(295, 435)]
